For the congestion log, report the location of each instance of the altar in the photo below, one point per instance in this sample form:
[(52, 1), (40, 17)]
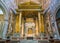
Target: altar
[(29, 20)]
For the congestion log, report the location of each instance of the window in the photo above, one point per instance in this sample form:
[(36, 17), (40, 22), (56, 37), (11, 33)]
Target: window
[(1, 12)]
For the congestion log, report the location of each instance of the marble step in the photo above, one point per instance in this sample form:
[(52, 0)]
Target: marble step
[(26, 41), (43, 41), (29, 41)]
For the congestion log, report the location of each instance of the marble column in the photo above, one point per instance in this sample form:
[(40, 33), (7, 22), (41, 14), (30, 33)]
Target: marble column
[(20, 26), (5, 29), (41, 25), (39, 20), (36, 27), (42, 22), (5, 26)]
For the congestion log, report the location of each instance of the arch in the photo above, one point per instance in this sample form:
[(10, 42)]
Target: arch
[(56, 10), (57, 14), (6, 12), (58, 19), (53, 10)]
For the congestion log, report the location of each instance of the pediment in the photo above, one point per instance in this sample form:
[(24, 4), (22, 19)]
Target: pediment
[(29, 5)]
